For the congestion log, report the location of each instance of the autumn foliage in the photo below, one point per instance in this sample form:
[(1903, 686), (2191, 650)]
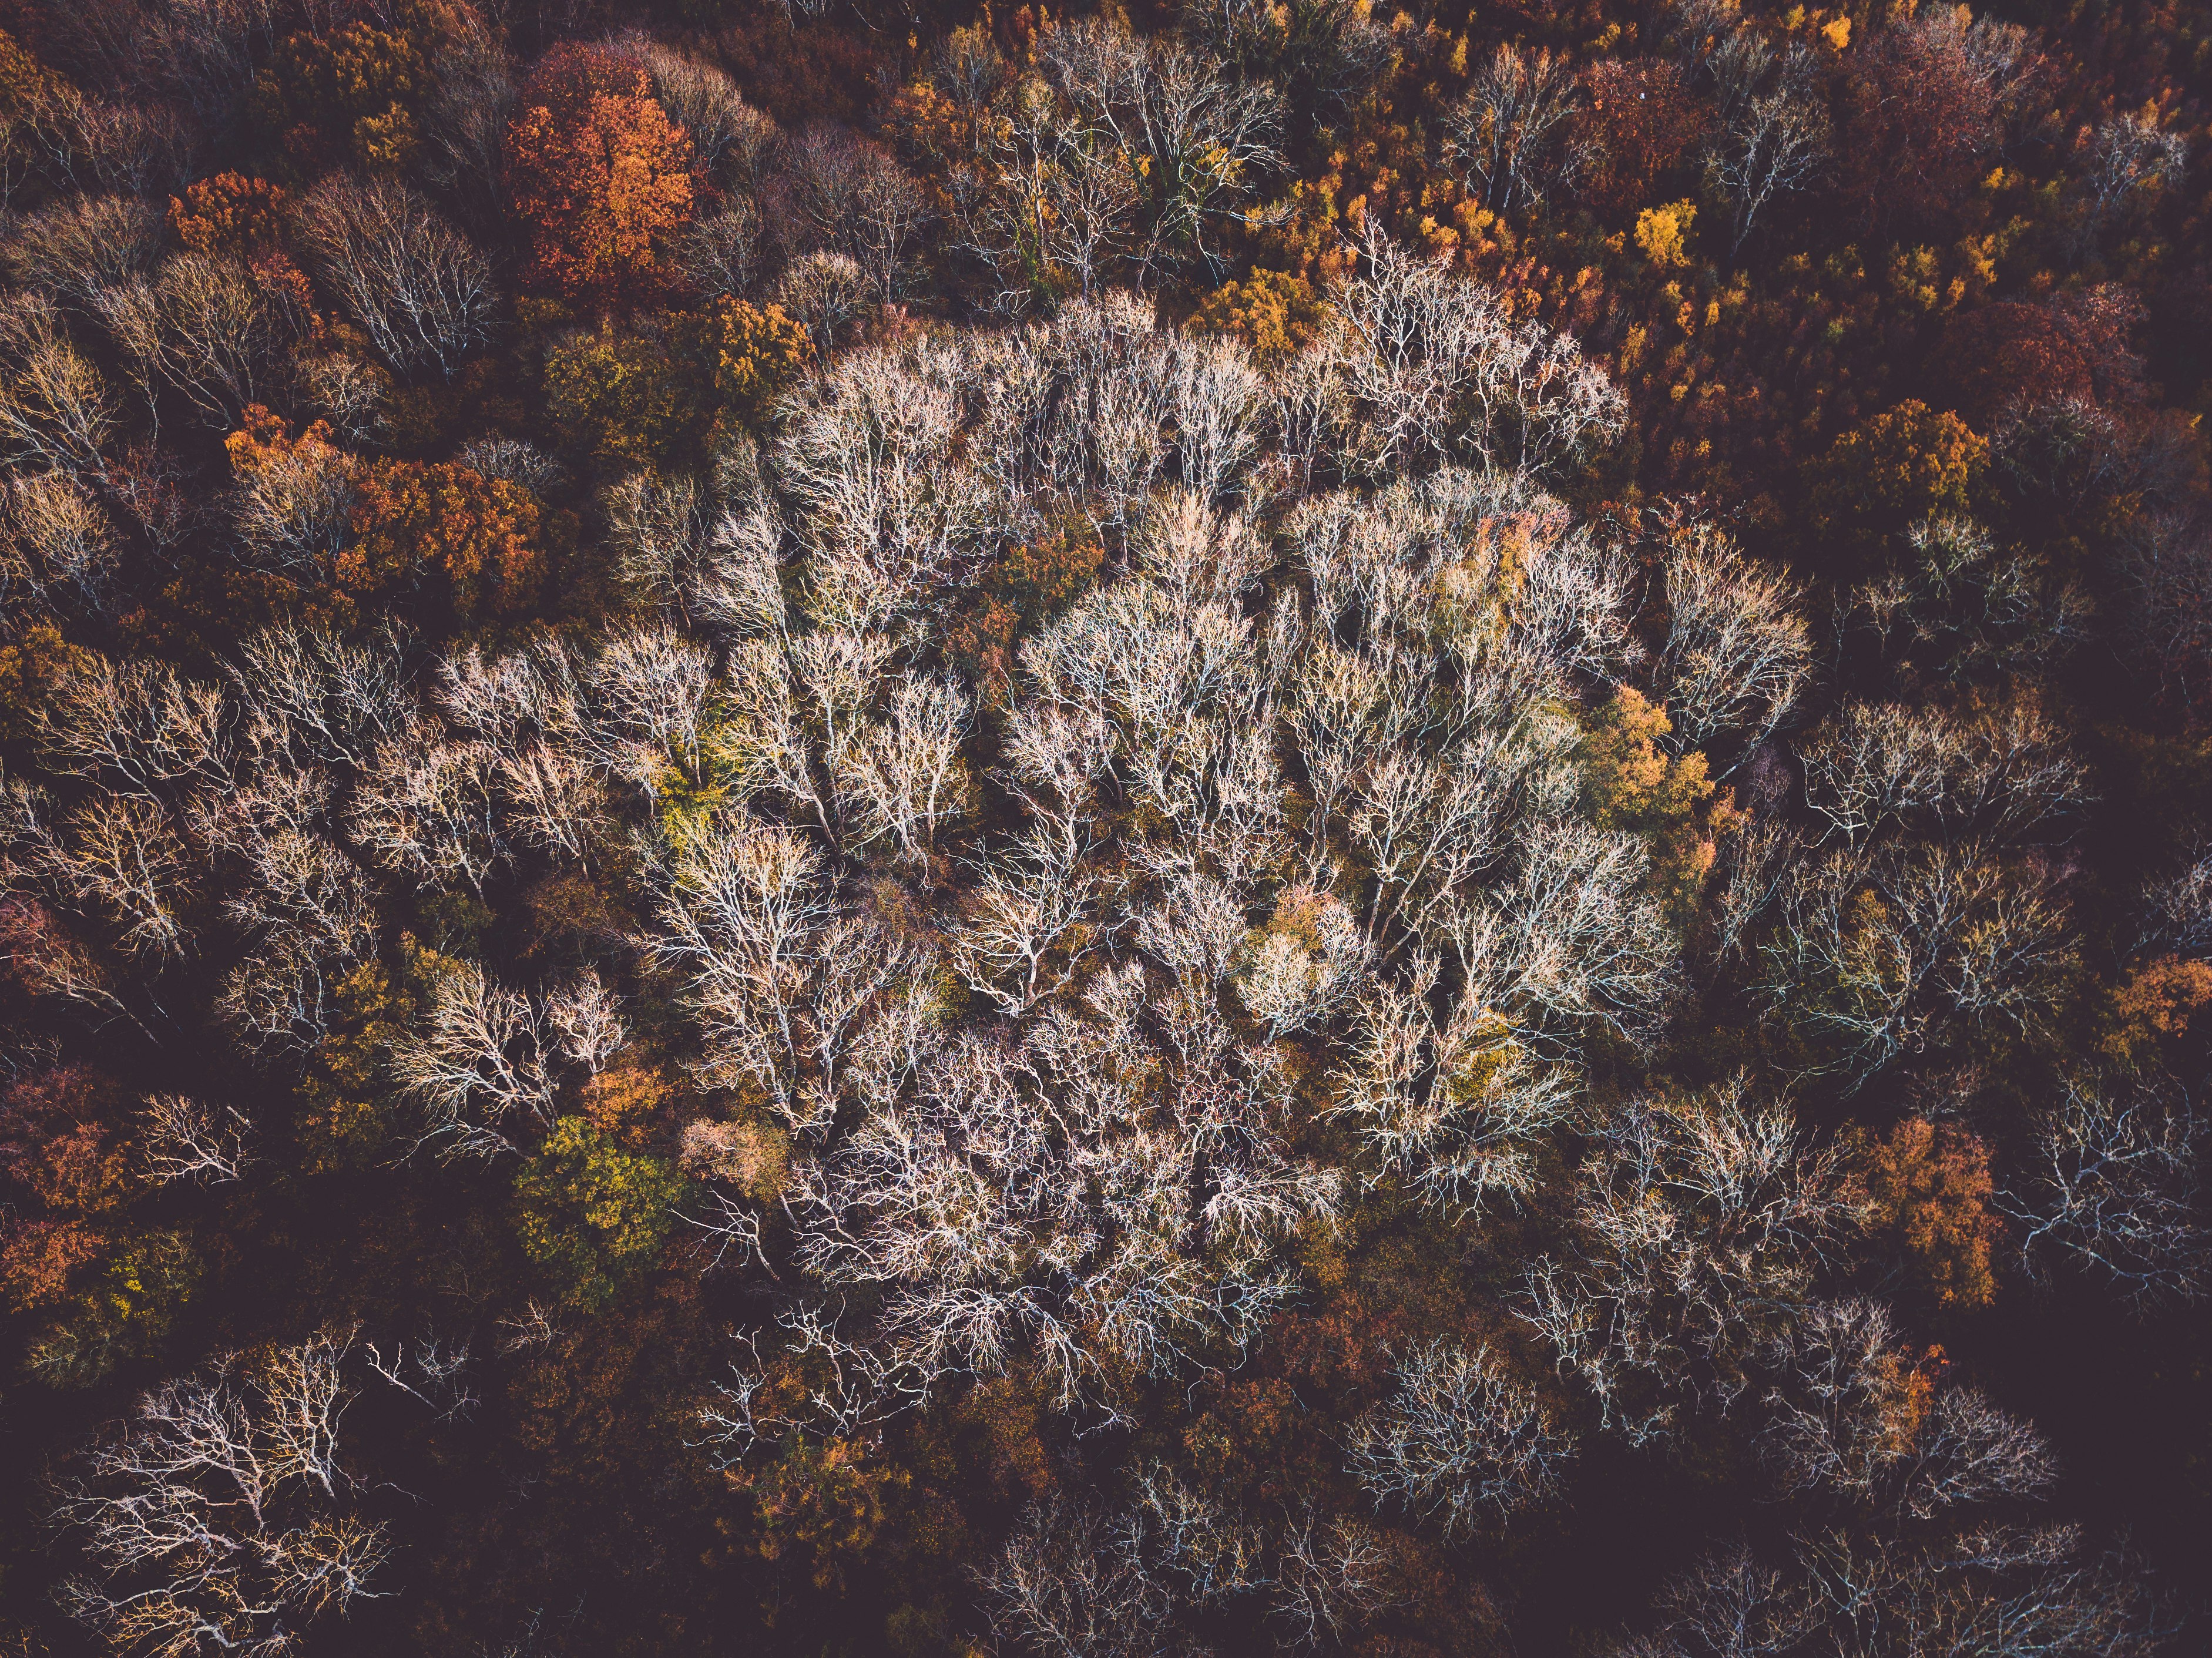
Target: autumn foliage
[(1928, 1186), (354, 94), (478, 536), (228, 214), (1273, 827), (600, 178)]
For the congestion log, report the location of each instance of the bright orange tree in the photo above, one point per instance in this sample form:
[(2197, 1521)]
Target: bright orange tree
[(600, 176)]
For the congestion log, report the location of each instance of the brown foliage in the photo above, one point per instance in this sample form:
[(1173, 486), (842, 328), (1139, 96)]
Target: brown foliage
[(357, 94), (1639, 122), (2158, 1002), (2009, 353), (630, 1104), (59, 1140), (1028, 587), (1891, 471), (1919, 114), (28, 665), (760, 353), (38, 1258), (62, 1166), (1631, 785), (800, 70), (1273, 314)]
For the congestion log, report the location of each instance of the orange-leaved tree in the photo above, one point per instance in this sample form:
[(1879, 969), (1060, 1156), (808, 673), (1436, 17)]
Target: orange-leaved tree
[(600, 176), (480, 533), (229, 215), (1927, 1189)]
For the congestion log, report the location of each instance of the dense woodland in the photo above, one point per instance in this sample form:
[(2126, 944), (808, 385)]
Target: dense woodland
[(1282, 827)]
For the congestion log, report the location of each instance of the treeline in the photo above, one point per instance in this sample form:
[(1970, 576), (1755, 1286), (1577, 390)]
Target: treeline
[(1260, 827)]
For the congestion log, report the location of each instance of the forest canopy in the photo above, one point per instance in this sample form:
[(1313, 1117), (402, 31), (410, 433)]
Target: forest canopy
[(1198, 829)]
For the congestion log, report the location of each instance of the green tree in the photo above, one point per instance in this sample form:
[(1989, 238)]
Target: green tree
[(591, 1216), (635, 397)]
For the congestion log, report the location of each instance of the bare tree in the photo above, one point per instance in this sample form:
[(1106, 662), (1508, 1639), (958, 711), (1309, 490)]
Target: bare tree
[(202, 327), (1984, 610), (465, 118), (122, 854), (142, 146), (1511, 135), (517, 460), (1737, 654), (1851, 1419), (1881, 955), (1322, 52), (1066, 220), (882, 508), (1308, 962), (293, 508), (1071, 1582), (1457, 1108), (2114, 1190), (71, 249), (55, 409), (1771, 144), (1845, 1410), (2004, 768), (853, 199), (724, 252), (2024, 1589), (822, 291), (587, 1017), (479, 1059), (1575, 941), (40, 110), (1206, 1551), (307, 694), (138, 721), (307, 905), (660, 527), (901, 777), (54, 538), (2176, 910), (732, 139), (1328, 1577), (183, 1140), (1116, 152), (2131, 158), (421, 291), (217, 1519), (1461, 1440), (348, 391), (1703, 1223), (747, 920), (1024, 937), (1417, 368)]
